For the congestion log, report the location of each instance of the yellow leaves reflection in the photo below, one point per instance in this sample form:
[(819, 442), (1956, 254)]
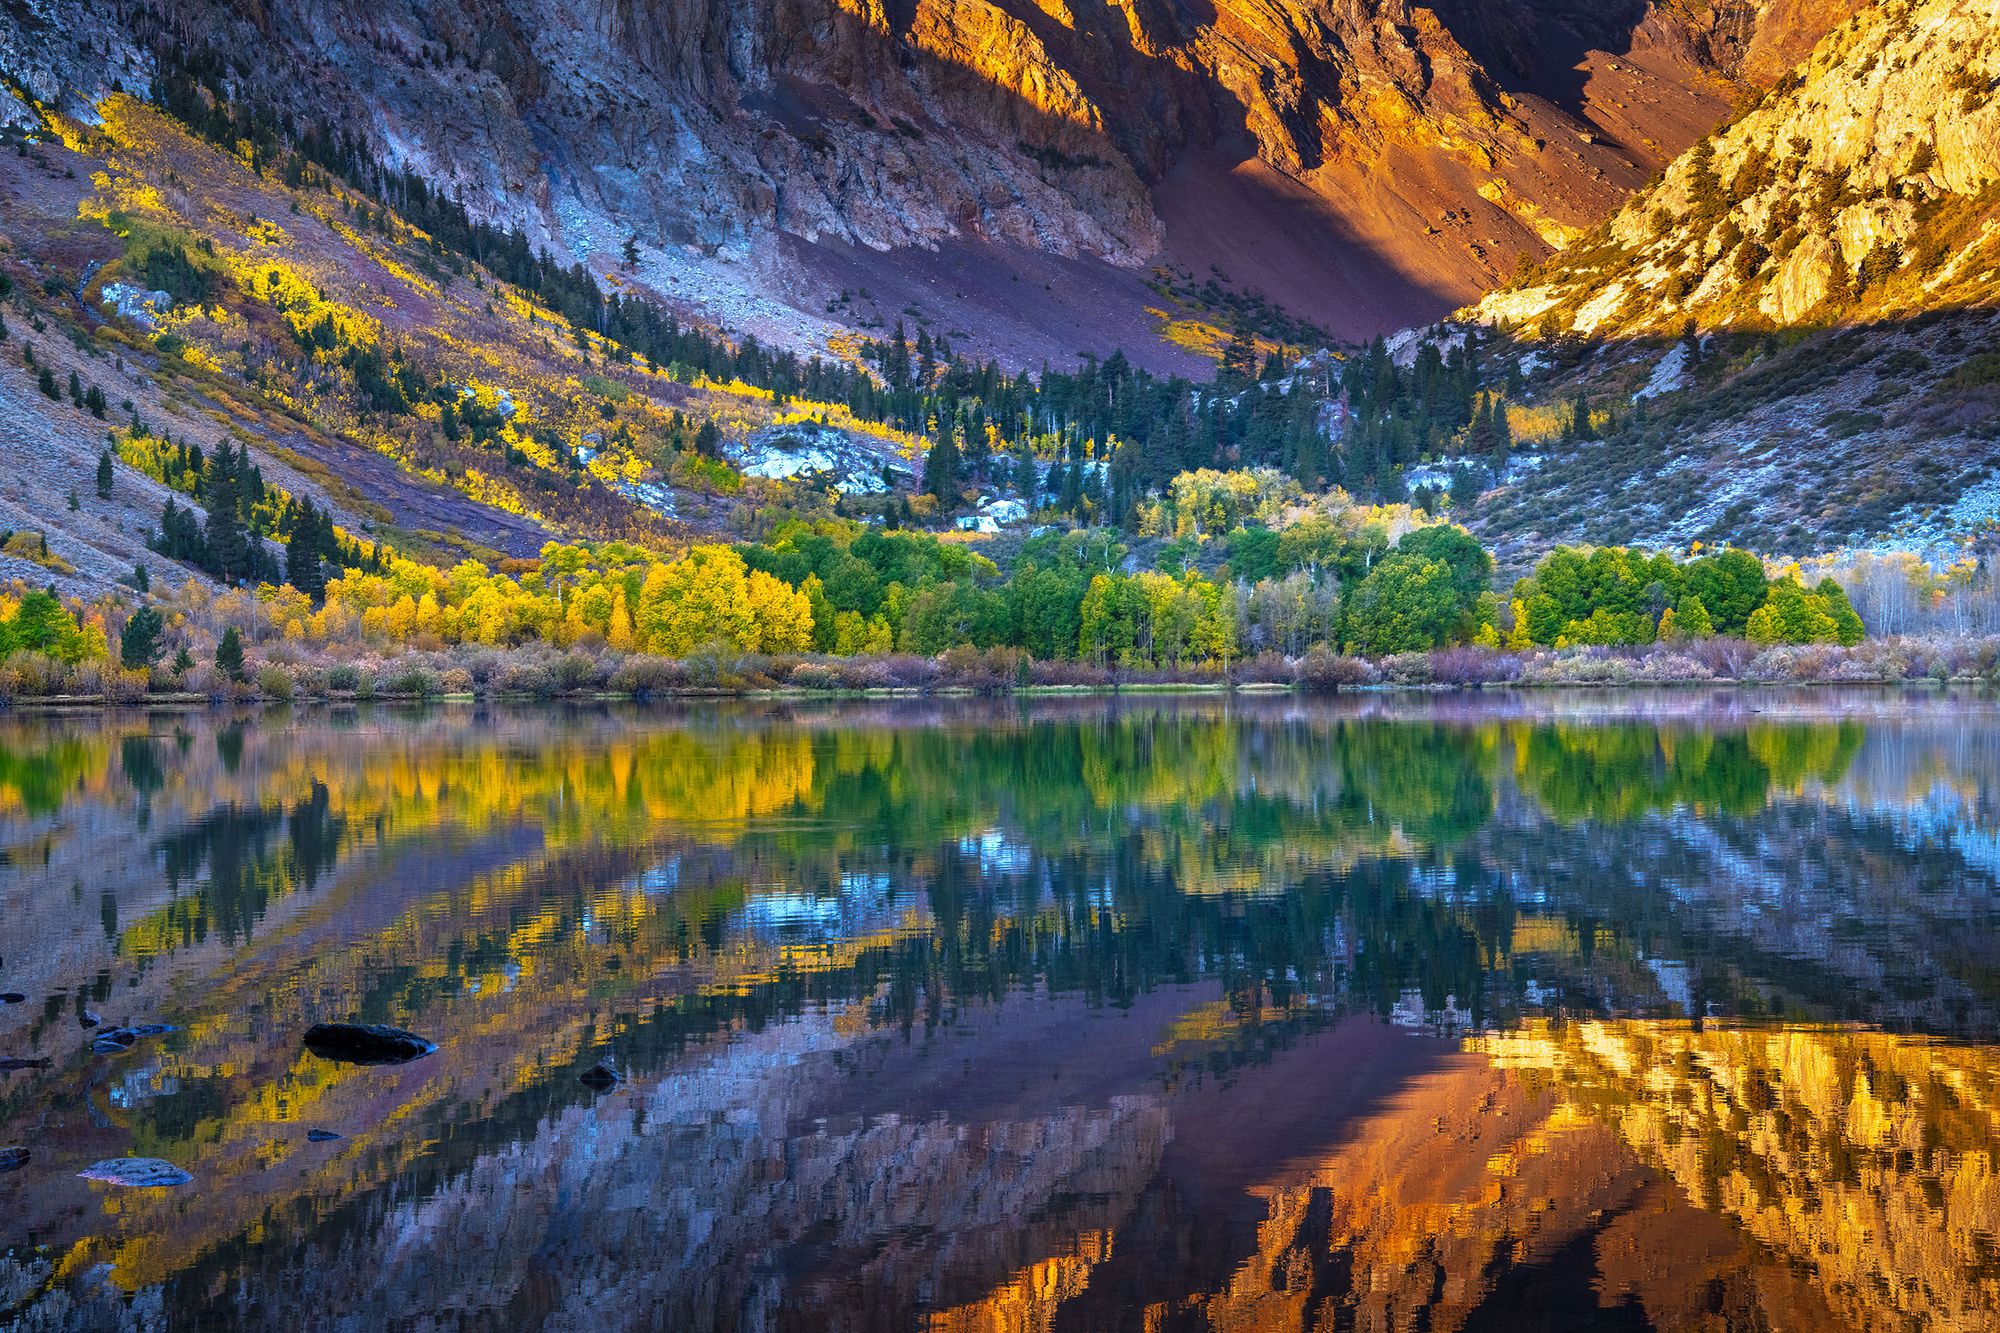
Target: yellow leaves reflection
[(1866, 1158)]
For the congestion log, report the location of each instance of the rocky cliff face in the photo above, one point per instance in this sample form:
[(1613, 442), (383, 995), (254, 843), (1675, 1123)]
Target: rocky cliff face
[(1367, 161), (1863, 187)]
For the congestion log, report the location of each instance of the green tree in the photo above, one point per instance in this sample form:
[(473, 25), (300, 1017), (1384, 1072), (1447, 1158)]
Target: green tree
[(229, 654), (228, 543), (1471, 567), (104, 475), (303, 546), (1046, 605), (139, 645), (1847, 626), (1406, 604), (1239, 357), (1691, 619), (1731, 584), (42, 624), (1026, 479), (1790, 614), (1108, 620), (941, 470)]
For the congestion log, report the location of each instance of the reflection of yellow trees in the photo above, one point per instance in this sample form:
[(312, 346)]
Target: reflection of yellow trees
[(574, 791), (1864, 1157)]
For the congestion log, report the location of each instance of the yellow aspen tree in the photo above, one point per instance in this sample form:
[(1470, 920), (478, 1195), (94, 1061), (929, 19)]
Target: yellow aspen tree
[(621, 636), (783, 615)]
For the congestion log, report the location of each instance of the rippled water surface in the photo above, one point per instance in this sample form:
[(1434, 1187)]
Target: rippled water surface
[(1671, 1011)]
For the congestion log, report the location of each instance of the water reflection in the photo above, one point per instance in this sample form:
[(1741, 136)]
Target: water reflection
[(1669, 1011)]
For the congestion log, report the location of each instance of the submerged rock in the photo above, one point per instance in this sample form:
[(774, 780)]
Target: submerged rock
[(601, 1077), (12, 997), (320, 1136), (116, 1041), (136, 1172), (366, 1043), (13, 1159)]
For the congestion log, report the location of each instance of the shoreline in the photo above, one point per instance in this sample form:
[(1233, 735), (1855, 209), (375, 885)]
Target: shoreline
[(198, 703)]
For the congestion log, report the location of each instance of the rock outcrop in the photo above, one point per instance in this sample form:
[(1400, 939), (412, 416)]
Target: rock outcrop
[(1861, 187), (1367, 161)]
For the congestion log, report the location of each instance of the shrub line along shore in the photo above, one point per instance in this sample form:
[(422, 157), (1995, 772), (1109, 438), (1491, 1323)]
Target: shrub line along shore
[(541, 675)]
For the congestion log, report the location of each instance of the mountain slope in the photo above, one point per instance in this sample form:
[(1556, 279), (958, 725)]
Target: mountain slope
[(1364, 162), (1790, 336), (1863, 187)]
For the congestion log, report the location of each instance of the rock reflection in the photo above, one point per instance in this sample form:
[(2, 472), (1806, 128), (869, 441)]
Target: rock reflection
[(964, 1016)]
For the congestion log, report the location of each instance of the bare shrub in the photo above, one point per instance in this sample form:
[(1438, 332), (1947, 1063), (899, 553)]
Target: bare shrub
[(1070, 675), (1322, 672), (648, 677), (1472, 665)]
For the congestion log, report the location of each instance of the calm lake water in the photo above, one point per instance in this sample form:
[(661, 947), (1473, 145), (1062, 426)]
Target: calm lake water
[(1455, 1013)]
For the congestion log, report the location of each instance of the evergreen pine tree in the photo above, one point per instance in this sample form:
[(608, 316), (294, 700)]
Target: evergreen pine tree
[(302, 552), (1239, 357), (1025, 478), (227, 546), (941, 471), (139, 643), (229, 654), (104, 475)]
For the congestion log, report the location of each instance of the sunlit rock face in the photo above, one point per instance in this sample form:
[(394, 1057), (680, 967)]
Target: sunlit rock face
[(1429, 145), (1857, 189)]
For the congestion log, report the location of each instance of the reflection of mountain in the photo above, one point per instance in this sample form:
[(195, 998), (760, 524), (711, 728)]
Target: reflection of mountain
[(1864, 1161), (856, 965), (687, 1201)]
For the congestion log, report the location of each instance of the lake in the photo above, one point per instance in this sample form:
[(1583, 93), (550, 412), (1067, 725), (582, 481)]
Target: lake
[(1446, 1012)]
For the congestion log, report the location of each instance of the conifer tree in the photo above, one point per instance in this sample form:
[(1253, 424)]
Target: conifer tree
[(228, 548), (104, 475), (229, 654), (303, 548), (941, 469), (139, 643)]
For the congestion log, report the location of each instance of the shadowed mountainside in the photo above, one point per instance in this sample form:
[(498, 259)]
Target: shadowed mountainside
[(1367, 162)]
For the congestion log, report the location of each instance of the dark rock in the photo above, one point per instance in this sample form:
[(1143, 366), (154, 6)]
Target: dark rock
[(136, 1172), (366, 1043), (116, 1041), (12, 997), (13, 1062), (601, 1077), (12, 1159), (320, 1136), (89, 1019)]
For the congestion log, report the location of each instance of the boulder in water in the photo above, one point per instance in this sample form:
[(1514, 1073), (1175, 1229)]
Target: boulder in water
[(320, 1136), (136, 1172), (12, 1159), (116, 1041), (12, 997), (14, 1062), (366, 1043), (601, 1077)]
